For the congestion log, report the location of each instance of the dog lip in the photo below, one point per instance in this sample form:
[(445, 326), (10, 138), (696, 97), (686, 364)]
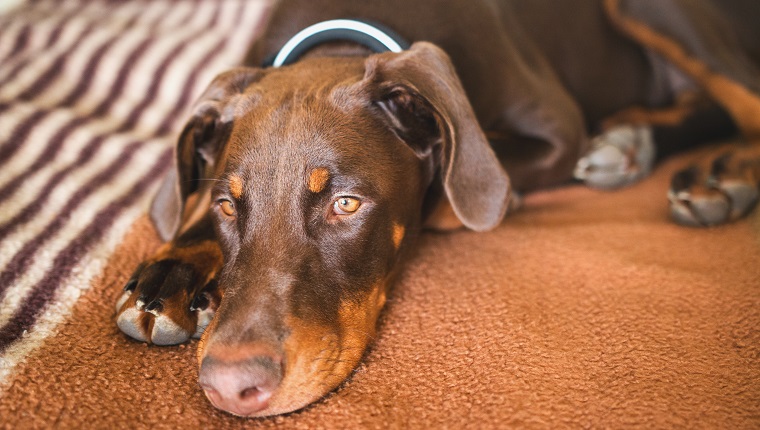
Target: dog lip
[(216, 399)]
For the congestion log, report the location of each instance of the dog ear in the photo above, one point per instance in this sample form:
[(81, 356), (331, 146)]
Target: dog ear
[(198, 150), (420, 92)]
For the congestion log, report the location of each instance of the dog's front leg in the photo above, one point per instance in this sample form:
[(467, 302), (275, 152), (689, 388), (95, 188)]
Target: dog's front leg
[(173, 295)]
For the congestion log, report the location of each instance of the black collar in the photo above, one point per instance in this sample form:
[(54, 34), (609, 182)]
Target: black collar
[(373, 36)]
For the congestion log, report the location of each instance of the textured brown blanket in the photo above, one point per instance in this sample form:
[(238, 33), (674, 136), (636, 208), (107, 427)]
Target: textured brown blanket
[(584, 309)]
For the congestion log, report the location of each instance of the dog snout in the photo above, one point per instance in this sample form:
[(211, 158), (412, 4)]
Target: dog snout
[(241, 385)]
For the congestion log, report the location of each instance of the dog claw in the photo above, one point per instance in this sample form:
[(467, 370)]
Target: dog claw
[(131, 284), (621, 156), (154, 307), (199, 303)]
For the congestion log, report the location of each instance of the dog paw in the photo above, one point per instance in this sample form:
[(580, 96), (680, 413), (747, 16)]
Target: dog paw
[(168, 301), (728, 192), (620, 156)]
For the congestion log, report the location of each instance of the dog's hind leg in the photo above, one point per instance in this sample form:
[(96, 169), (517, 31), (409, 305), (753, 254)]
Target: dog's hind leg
[(173, 295), (633, 140), (622, 155), (695, 37), (716, 191)]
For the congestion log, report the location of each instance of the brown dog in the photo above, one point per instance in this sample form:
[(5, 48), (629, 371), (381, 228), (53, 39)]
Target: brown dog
[(299, 190)]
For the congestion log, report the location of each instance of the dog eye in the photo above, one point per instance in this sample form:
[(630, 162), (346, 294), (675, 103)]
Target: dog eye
[(346, 205), (228, 208)]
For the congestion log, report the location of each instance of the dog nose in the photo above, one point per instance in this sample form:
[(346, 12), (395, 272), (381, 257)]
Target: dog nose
[(240, 386)]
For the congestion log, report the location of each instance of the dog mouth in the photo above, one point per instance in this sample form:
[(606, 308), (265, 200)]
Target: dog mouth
[(263, 379), (262, 385)]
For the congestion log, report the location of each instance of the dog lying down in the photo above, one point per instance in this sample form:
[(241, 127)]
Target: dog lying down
[(302, 180)]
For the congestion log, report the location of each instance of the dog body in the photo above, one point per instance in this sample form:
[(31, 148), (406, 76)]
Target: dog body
[(540, 75), (299, 190), (522, 75)]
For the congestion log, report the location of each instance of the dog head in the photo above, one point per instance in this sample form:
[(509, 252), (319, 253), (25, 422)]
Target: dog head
[(317, 177)]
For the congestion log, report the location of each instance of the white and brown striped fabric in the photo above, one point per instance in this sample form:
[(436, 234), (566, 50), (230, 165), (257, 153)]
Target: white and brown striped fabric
[(92, 94)]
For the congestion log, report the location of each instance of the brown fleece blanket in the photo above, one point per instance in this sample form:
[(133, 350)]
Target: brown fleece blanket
[(584, 309)]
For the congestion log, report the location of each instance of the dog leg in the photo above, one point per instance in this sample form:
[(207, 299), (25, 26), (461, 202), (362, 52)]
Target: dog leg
[(620, 156), (723, 191), (624, 153), (634, 139), (173, 295), (693, 36)]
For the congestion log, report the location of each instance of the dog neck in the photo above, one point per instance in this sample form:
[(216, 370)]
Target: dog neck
[(338, 38)]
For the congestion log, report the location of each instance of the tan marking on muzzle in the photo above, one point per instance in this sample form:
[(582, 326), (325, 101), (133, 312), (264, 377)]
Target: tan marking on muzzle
[(398, 234), (320, 357), (241, 352), (203, 341), (236, 186), (318, 179), (358, 320)]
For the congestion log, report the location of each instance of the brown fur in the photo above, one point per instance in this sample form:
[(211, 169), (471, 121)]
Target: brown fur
[(637, 115)]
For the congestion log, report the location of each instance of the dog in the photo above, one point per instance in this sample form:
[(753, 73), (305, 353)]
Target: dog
[(300, 187)]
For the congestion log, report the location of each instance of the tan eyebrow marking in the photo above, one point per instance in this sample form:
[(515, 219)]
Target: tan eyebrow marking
[(236, 186), (398, 234), (318, 179)]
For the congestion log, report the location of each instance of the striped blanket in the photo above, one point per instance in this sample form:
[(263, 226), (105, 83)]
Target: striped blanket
[(92, 94)]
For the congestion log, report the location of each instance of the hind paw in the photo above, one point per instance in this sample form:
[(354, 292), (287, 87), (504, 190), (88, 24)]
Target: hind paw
[(621, 156), (728, 192), (169, 300)]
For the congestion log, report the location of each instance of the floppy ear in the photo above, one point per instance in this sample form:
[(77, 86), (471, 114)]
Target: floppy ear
[(421, 93), (198, 149)]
